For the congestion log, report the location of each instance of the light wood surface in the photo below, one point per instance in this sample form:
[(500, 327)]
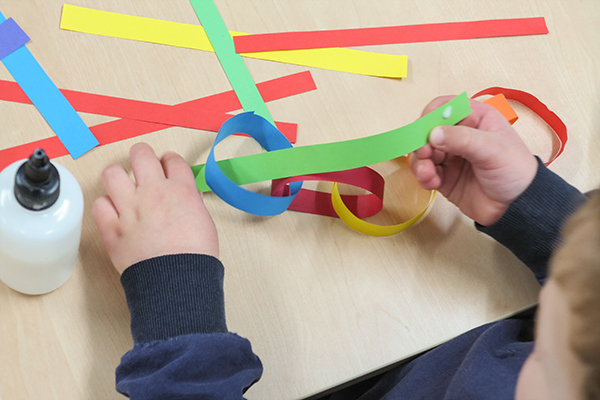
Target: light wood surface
[(320, 303)]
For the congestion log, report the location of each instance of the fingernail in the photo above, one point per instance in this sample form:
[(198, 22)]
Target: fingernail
[(436, 137), (418, 170)]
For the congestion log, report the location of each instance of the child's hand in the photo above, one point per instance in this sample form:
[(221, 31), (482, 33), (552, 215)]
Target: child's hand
[(481, 165), (162, 214)]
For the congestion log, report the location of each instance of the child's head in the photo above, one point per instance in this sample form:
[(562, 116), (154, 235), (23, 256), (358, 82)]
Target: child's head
[(565, 363)]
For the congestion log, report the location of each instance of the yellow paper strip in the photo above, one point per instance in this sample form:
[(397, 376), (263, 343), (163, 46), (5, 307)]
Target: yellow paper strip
[(366, 227), (87, 20)]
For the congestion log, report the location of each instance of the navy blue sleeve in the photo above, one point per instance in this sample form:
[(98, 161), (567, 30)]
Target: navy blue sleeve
[(182, 349), (530, 228), (175, 295)]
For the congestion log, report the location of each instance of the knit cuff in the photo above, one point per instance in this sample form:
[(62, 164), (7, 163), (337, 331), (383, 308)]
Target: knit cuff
[(531, 226), (175, 295)]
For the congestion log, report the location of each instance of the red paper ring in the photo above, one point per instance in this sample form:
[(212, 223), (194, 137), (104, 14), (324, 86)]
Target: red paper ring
[(535, 105), (319, 203)]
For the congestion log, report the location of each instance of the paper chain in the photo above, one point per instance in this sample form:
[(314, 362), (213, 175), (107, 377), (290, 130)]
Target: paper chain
[(282, 163)]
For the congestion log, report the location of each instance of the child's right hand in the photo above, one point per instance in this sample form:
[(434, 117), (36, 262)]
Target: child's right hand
[(481, 165)]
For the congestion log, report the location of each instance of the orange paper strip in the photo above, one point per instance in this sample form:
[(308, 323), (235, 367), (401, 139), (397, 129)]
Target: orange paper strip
[(500, 103)]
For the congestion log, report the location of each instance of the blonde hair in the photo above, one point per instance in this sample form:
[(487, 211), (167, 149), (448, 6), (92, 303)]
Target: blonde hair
[(576, 271)]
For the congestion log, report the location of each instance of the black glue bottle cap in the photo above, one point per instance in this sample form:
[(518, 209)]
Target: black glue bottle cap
[(37, 182)]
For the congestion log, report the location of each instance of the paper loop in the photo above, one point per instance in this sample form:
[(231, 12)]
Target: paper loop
[(535, 105), (270, 139), (313, 160), (319, 203), (338, 156), (366, 227)]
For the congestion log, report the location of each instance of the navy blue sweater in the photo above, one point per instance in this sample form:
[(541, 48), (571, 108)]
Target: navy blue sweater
[(182, 349)]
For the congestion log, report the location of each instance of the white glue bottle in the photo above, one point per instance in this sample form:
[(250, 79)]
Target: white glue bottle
[(41, 209)]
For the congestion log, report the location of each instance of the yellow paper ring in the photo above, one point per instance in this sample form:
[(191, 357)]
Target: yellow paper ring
[(366, 227)]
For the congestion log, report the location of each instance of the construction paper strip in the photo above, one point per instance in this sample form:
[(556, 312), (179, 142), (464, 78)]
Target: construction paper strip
[(500, 103), (232, 63), (188, 117), (533, 103), (11, 37), (366, 227), (190, 36), (270, 139), (122, 129), (53, 106), (307, 200), (390, 35), (337, 156), (274, 89), (319, 203)]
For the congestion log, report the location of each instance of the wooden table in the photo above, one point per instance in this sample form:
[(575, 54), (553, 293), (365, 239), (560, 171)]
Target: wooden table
[(320, 303)]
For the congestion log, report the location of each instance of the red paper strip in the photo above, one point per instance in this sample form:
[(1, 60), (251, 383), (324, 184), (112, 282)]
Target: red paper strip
[(533, 103), (122, 129), (390, 35), (189, 116), (198, 114), (315, 202)]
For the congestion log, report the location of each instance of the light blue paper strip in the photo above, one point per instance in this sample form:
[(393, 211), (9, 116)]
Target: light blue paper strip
[(56, 110)]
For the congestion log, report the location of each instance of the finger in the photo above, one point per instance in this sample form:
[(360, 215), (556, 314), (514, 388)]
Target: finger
[(106, 216), (476, 146), (118, 185), (480, 112), (146, 166), (432, 184), (483, 114), (424, 152), (436, 103), (414, 161), (438, 157), (177, 169), (428, 175), (423, 170), (435, 155)]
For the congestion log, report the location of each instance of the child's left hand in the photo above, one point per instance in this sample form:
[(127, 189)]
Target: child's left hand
[(162, 214)]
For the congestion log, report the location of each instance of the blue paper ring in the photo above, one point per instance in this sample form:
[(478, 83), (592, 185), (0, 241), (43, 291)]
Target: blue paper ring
[(270, 138)]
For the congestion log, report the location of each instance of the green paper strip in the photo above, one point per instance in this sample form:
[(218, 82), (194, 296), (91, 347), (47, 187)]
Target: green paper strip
[(338, 156), (232, 63)]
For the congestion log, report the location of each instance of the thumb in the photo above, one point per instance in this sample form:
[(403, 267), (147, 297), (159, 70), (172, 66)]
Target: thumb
[(474, 145)]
